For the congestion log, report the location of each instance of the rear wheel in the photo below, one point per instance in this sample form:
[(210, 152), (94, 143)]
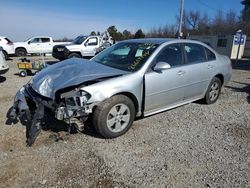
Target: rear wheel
[(114, 116), (21, 52), (213, 91), (74, 55)]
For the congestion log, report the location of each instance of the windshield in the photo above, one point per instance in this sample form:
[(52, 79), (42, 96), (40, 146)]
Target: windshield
[(79, 40), (127, 56)]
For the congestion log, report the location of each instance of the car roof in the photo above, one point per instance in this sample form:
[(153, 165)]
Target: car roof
[(40, 36), (160, 40)]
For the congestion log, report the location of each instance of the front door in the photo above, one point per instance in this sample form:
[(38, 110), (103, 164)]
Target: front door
[(34, 45), (164, 89), (90, 46)]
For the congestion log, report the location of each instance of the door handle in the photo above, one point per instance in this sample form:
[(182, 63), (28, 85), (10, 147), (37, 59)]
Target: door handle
[(180, 73), (209, 66)]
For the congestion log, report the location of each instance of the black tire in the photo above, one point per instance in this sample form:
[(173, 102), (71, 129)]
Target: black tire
[(5, 55), (102, 115), (22, 73), (29, 72), (213, 91), (74, 55), (21, 52)]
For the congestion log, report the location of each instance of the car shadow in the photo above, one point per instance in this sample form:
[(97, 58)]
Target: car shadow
[(245, 89), (2, 79)]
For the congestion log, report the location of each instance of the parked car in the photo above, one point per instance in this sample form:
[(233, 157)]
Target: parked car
[(7, 46), (133, 78), (4, 67), (81, 46), (35, 45)]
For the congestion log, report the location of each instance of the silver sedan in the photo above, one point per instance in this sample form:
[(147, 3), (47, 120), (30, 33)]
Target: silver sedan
[(134, 78)]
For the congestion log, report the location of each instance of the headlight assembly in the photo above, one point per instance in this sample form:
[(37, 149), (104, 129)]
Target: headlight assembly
[(82, 98)]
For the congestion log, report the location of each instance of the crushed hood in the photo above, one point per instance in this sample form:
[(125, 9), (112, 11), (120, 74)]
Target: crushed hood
[(68, 73)]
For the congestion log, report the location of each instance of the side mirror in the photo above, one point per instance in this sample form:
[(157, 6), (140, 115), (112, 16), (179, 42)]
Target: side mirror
[(160, 66), (28, 42), (85, 44)]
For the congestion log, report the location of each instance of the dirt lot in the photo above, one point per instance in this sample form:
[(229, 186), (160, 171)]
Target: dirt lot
[(191, 146)]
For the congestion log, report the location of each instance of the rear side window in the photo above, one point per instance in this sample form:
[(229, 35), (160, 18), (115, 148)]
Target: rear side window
[(210, 55), (195, 53), (45, 40), (171, 54)]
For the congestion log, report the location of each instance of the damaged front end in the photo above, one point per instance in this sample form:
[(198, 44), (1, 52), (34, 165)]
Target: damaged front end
[(31, 109)]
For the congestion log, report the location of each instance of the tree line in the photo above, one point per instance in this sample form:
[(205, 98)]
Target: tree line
[(194, 23)]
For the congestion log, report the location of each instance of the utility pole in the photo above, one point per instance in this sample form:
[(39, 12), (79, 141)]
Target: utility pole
[(181, 19)]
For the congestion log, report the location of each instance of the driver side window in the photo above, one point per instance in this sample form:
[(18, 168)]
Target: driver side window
[(92, 41), (171, 54), (35, 40)]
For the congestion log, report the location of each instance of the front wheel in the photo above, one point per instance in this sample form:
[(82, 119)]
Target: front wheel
[(74, 55), (114, 116), (213, 91)]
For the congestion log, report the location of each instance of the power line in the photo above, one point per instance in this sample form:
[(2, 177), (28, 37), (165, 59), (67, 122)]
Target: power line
[(212, 8)]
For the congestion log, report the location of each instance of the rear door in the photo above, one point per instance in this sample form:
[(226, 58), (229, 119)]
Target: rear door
[(46, 45), (197, 69)]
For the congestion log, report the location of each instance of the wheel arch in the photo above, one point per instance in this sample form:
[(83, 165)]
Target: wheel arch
[(21, 47), (132, 97), (76, 52), (221, 77)]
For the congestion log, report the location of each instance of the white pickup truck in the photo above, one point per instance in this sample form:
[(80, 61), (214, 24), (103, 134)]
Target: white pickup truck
[(35, 45), (82, 46)]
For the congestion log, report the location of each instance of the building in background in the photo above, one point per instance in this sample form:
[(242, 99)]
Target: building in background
[(226, 44)]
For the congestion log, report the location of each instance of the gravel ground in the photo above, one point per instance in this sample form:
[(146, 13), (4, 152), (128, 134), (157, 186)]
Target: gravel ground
[(191, 146)]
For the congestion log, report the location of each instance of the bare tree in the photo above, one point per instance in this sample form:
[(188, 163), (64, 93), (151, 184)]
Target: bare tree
[(192, 19), (166, 31), (204, 25)]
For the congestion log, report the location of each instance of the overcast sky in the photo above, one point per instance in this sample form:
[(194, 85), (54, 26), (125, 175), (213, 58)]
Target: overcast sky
[(21, 19)]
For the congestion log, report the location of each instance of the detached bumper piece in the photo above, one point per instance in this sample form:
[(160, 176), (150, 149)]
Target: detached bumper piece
[(30, 112), (31, 108)]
